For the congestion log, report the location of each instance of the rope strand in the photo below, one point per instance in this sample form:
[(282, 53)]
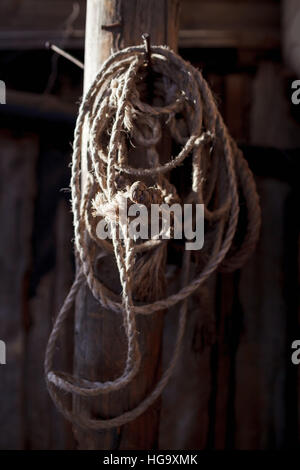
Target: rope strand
[(117, 120)]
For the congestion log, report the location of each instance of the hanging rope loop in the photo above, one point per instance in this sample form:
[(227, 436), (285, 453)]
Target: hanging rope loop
[(117, 121)]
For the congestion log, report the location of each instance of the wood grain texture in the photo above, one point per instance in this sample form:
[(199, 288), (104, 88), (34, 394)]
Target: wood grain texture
[(99, 340), (186, 402), (261, 359), (214, 23), (45, 429)]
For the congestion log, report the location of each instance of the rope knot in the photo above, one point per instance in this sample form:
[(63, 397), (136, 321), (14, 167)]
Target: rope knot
[(139, 193), (119, 127)]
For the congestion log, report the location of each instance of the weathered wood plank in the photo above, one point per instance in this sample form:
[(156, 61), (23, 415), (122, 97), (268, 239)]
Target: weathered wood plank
[(270, 118), (217, 23), (237, 103), (29, 24), (186, 404), (44, 427), (17, 190), (94, 356), (37, 420), (261, 356)]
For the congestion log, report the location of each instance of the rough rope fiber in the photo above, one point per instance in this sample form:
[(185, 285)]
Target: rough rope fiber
[(117, 120)]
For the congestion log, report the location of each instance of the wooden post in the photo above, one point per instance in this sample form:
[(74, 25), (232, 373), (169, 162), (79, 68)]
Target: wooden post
[(99, 340)]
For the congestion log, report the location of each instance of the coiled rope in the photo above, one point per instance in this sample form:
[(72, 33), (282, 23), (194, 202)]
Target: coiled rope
[(116, 120)]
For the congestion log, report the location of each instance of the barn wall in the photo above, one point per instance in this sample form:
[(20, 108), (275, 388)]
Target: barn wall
[(235, 386)]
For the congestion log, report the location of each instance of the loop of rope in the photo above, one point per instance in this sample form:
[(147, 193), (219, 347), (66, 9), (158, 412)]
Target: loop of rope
[(117, 120)]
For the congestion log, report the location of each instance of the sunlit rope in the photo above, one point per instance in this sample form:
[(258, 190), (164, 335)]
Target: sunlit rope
[(115, 119)]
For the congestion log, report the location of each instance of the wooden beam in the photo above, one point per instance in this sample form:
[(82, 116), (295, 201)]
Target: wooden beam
[(40, 103), (205, 23), (100, 344), (236, 38)]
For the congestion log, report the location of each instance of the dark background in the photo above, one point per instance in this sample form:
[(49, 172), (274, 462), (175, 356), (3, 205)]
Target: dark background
[(235, 387)]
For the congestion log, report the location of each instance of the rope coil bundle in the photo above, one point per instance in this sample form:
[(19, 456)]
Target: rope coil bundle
[(117, 121)]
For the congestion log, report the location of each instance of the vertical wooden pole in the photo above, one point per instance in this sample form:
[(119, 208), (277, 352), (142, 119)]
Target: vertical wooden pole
[(99, 340)]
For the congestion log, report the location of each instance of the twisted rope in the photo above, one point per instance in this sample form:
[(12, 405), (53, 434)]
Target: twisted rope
[(117, 120)]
